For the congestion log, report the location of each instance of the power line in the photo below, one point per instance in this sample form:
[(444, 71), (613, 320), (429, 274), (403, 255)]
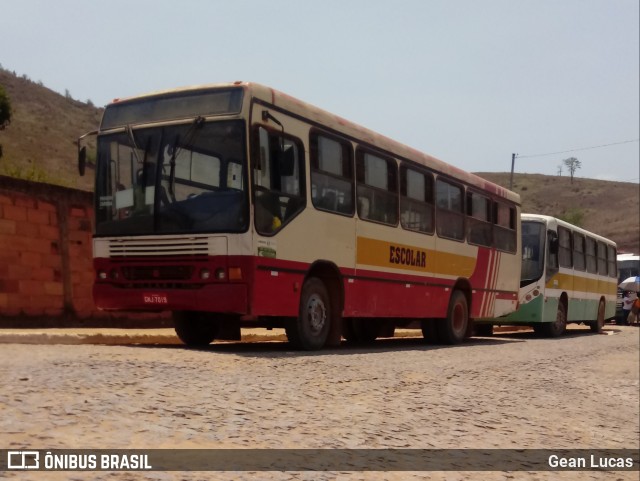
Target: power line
[(576, 150)]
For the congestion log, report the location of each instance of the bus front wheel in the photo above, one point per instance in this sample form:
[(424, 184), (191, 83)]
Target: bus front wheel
[(195, 328), (559, 326), (311, 328), (453, 329)]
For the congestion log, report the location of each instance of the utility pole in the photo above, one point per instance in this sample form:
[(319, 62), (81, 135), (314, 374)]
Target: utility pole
[(513, 162)]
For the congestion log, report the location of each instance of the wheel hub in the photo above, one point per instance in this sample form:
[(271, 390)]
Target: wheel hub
[(316, 313)]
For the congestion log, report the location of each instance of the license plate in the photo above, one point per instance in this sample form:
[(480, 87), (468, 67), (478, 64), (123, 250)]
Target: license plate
[(155, 298)]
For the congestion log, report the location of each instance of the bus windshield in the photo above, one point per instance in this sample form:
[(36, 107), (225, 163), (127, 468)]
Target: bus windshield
[(533, 248), (172, 179)]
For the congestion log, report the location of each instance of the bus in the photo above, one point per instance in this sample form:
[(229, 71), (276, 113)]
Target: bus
[(568, 276), (628, 266), (235, 205)]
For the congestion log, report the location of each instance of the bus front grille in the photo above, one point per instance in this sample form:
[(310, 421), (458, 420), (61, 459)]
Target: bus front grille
[(164, 247)]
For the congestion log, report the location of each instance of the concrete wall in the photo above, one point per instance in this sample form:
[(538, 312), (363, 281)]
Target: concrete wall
[(46, 268)]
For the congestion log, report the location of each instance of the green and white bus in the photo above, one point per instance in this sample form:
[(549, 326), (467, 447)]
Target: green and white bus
[(568, 275)]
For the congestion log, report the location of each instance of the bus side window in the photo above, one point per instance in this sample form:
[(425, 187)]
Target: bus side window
[(331, 174), (416, 200), (602, 258), (564, 247), (578, 252), (450, 210), (611, 262), (504, 232), (592, 265), (278, 177), (377, 188), (479, 229)]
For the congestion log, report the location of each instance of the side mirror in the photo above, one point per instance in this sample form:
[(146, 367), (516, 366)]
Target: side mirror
[(82, 151), (82, 159)]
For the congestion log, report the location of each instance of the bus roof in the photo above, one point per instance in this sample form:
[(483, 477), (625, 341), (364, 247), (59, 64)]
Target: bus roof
[(332, 122), (547, 219)]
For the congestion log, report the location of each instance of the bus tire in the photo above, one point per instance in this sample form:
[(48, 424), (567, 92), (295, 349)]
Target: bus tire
[(559, 326), (598, 324), (195, 329), (453, 329), (309, 331)]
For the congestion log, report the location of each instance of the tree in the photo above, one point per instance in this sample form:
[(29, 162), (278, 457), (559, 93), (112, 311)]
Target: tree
[(5, 111), (572, 164)]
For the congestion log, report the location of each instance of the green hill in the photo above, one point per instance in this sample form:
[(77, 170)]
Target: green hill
[(40, 142)]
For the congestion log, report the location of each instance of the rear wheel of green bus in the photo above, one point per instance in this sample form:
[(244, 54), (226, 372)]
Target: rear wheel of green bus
[(598, 324)]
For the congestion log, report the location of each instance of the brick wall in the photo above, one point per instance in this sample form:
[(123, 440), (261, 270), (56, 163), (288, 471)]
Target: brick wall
[(46, 267)]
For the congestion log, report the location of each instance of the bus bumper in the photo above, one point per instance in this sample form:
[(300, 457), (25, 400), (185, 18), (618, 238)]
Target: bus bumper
[(527, 313), (222, 298)]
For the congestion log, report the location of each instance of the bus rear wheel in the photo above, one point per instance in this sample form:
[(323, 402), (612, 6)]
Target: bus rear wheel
[(598, 324), (453, 329), (195, 329), (309, 331)]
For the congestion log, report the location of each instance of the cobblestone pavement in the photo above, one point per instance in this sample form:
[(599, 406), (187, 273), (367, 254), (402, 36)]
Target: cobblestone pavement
[(509, 391)]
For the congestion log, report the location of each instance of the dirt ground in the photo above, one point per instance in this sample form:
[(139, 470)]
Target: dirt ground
[(511, 391)]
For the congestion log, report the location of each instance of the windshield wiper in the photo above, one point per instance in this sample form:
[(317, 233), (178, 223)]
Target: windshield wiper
[(189, 137), (172, 167), (129, 132)]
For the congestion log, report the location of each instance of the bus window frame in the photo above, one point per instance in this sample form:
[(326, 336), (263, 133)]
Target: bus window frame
[(513, 225), (429, 191), (602, 263), (579, 238), (471, 219), (257, 161), (462, 187), (612, 261), (392, 180), (565, 251), (347, 147), (593, 257)]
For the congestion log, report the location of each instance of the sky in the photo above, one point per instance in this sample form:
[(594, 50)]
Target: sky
[(468, 81)]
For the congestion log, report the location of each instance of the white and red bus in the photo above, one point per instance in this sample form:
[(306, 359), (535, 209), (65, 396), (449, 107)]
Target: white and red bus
[(236, 205)]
